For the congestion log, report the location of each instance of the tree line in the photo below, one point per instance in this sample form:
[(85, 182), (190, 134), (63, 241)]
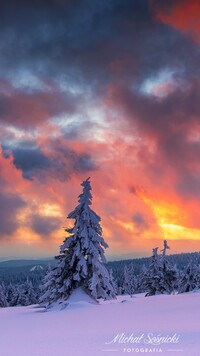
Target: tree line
[(81, 263)]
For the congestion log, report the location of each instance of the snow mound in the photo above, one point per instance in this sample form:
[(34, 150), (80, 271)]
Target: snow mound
[(79, 295), (194, 291), (78, 299)]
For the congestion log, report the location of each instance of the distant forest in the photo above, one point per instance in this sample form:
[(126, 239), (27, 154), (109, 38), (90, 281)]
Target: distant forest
[(17, 272), (181, 261)]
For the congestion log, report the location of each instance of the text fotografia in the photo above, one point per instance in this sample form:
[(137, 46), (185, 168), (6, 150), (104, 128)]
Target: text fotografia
[(138, 350), (147, 339)]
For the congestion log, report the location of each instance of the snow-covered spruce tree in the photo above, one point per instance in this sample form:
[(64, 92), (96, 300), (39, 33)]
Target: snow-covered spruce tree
[(169, 279), (153, 275), (81, 259), (161, 277)]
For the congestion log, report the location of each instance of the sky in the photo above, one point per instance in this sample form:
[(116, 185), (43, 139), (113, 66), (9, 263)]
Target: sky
[(107, 89)]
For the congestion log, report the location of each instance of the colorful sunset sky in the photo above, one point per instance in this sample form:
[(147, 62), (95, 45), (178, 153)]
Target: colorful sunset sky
[(107, 89)]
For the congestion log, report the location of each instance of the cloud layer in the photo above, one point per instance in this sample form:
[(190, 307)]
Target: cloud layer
[(107, 89)]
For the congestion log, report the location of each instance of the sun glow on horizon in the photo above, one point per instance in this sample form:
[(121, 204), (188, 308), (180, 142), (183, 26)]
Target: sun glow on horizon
[(170, 218)]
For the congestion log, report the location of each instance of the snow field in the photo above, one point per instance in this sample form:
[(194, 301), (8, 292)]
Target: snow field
[(83, 329)]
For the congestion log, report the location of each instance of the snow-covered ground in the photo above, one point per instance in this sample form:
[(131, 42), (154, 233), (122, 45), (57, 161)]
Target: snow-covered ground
[(85, 329)]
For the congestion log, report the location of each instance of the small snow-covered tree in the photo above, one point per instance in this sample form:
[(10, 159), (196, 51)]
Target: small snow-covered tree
[(12, 295), (113, 281), (48, 287), (141, 279), (26, 294), (3, 300), (165, 248), (129, 285), (81, 259), (190, 279)]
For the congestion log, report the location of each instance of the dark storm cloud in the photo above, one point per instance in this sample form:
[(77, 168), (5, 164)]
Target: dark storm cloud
[(65, 161), (140, 221), (44, 225), (28, 158), (98, 41), (171, 120), (61, 163), (173, 123), (10, 204)]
